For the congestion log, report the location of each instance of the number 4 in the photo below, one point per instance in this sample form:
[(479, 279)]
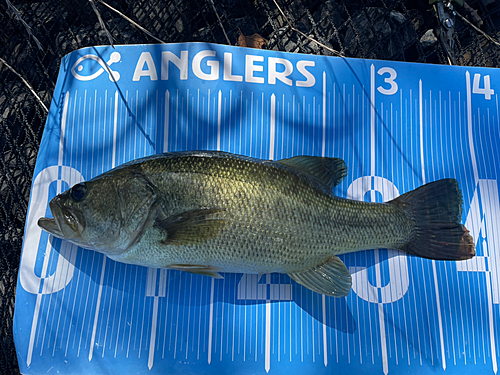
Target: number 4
[(486, 91)]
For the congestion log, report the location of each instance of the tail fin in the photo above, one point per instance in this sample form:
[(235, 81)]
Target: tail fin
[(436, 210)]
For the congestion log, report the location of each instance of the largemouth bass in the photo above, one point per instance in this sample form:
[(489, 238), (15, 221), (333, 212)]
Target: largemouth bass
[(208, 212)]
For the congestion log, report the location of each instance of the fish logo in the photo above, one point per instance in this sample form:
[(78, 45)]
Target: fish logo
[(81, 65)]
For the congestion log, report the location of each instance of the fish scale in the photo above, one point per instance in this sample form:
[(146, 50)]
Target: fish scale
[(210, 212), (301, 221)]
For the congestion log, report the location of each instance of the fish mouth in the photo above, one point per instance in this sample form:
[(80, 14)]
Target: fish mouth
[(50, 226), (66, 224)]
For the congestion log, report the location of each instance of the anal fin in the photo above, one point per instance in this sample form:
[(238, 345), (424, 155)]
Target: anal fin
[(331, 278), (197, 269)]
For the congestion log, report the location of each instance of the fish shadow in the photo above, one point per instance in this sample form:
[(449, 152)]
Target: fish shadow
[(255, 290)]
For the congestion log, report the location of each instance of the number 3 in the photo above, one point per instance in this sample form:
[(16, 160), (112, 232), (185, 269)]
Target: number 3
[(390, 80)]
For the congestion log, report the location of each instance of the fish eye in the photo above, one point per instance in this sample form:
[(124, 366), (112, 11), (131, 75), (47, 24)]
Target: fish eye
[(78, 192)]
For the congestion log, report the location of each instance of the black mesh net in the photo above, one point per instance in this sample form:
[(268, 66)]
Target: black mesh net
[(386, 29)]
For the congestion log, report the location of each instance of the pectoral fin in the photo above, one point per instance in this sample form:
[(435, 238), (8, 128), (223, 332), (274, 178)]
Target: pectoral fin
[(192, 227), (197, 269), (331, 278)]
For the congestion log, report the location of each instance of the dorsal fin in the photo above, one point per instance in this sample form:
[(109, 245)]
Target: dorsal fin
[(329, 171)]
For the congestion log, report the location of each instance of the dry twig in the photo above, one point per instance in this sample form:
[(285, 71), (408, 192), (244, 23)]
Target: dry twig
[(478, 29), (220, 22), (306, 36), (131, 21), (101, 22), (27, 27), (26, 83)]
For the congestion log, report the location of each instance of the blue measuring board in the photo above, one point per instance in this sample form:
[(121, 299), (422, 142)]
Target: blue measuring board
[(397, 125)]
